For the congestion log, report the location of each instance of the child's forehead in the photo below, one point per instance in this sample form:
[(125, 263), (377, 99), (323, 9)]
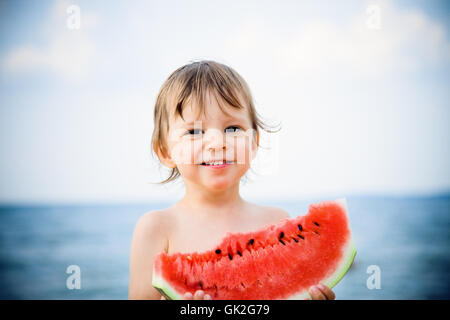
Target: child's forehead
[(192, 111)]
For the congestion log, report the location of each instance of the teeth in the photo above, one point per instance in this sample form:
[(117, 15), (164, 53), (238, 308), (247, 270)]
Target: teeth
[(217, 163)]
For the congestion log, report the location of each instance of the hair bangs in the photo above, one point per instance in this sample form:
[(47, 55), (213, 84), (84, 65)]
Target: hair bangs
[(201, 80)]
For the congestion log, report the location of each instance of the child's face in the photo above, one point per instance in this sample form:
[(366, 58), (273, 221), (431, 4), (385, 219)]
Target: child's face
[(216, 136)]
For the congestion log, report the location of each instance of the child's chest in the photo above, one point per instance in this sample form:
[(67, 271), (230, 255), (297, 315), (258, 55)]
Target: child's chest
[(190, 234)]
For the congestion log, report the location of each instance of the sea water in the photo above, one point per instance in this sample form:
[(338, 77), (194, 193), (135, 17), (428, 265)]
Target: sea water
[(405, 240)]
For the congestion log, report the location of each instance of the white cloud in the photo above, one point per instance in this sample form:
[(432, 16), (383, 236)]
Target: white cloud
[(69, 53), (406, 40)]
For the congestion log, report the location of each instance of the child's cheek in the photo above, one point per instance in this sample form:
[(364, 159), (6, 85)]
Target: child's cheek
[(182, 153), (242, 150)]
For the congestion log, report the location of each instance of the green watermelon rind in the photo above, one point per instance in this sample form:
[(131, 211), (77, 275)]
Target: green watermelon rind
[(348, 257), (333, 280), (165, 288), (345, 266)]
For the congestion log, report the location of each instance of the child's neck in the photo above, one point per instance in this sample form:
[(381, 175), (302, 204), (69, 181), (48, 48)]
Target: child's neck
[(204, 200)]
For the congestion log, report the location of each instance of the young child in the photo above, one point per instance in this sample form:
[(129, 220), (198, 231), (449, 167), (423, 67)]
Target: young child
[(204, 114)]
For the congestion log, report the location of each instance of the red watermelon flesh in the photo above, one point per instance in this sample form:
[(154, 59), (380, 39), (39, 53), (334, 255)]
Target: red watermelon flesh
[(280, 261)]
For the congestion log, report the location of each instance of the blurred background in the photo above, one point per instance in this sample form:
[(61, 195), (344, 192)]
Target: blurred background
[(360, 88)]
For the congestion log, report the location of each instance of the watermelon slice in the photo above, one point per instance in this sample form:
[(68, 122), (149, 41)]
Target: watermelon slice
[(280, 261)]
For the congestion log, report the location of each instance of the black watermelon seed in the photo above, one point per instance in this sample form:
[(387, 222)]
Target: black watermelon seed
[(316, 232), (295, 239), (316, 223), (300, 227), (229, 256), (281, 235), (301, 237), (251, 241), (239, 253), (218, 251), (281, 241), (201, 285)]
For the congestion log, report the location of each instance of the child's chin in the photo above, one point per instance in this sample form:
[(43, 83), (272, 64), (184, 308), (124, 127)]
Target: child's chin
[(221, 185)]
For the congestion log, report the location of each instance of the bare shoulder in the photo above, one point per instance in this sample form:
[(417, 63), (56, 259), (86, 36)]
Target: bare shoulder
[(155, 222), (150, 237), (269, 214), (276, 213)]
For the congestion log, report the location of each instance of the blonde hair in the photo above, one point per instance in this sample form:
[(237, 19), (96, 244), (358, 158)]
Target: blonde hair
[(192, 82)]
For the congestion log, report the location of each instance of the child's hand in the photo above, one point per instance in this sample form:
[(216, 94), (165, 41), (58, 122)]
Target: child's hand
[(198, 295), (321, 292)]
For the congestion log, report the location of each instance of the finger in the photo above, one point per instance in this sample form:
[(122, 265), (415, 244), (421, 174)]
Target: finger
[(207, 297), (188, 296), (198, 295), (316, 294), (329, 294)]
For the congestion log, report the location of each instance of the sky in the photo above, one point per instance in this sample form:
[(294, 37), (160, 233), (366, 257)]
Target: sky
[(360, 89)]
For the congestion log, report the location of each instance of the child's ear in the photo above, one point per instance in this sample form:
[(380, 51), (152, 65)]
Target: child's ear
[(164, 158), (255, 145)]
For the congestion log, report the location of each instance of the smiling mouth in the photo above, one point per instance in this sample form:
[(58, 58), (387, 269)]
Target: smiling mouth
[(212, 164)]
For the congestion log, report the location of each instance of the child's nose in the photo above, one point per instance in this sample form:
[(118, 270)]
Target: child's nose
[(214, 139)]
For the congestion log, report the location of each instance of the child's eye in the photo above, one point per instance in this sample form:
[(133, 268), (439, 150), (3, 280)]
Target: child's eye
[(194, 131), (232, 131), (227, 130)]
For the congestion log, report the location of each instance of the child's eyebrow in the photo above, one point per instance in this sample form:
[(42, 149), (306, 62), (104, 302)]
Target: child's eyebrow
[(237, 119)]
